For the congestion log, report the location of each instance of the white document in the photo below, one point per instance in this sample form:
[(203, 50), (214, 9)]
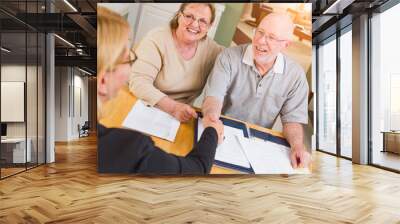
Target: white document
[(230, 150), (269, 158), (151, 121)]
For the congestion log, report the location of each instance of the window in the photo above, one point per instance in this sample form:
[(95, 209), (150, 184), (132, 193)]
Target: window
[(385, 89), (346, 93), (394, 102), (327, 97), (22, 66)]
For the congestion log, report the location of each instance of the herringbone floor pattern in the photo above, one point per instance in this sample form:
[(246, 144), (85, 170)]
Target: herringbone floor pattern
[(71, 191)]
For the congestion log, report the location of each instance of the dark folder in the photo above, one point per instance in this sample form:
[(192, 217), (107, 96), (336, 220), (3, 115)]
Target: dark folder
[(268, 137), (234, 124)]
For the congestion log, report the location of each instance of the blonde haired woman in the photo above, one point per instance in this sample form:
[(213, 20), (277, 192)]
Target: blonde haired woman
[(174, 61), (126, 151)]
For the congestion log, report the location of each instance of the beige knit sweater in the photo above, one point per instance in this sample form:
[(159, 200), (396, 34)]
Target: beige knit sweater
[(160, 70)]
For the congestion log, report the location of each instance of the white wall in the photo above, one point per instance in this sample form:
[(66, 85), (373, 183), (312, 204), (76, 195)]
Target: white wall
[(130, 11), (16, 73), (61, 103), (12, 101), (33, 127), (80, 100), (71, 94)]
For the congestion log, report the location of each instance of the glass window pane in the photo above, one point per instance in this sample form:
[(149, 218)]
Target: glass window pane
[(23, 77), (346, 94), (385, 84), (13, 85), (31, 97), (327, 97)]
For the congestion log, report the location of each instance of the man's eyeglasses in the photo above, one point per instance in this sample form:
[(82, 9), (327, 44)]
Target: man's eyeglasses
[(261, 33), (189, 19)]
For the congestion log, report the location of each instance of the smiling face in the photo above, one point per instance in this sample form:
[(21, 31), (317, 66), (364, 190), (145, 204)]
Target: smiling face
[(272, 36), (194, 22)]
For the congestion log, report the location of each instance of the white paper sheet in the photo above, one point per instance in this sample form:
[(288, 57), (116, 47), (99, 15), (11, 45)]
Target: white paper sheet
[(230, 151), (152, 121), (268, 158)]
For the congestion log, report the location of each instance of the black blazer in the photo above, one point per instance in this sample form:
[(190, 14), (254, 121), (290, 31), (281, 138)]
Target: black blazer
[(127, 151)]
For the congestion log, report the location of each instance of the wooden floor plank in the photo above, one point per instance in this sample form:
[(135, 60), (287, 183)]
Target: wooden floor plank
[(71, 191)]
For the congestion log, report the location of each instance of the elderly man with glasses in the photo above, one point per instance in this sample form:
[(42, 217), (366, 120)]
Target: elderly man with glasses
[(256, 83)]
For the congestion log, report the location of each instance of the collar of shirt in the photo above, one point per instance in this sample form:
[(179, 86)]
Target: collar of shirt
[(248, 60)]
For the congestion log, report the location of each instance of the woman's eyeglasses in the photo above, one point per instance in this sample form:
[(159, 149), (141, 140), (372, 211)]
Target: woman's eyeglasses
[(189, 19)]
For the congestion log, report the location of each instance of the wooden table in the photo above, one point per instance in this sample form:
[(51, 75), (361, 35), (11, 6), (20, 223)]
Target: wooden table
[(115, 111), (391, 141)]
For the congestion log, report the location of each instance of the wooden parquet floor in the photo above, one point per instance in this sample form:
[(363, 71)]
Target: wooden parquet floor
[(71, 191)]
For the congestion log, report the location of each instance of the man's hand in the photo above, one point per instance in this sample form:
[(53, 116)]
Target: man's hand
[(300, 157), (217, 125), (183, 112), (211, 108), (212, 117)]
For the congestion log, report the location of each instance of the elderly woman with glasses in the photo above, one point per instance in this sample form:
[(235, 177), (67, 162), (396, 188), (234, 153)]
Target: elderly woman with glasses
[(128, 151), (174, 62)]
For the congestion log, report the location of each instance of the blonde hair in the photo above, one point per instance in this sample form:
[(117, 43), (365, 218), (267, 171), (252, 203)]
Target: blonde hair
[(112, 31), (173, 24)]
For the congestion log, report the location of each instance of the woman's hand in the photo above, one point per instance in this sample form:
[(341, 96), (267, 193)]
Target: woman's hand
[(180, 111), (183, 112)]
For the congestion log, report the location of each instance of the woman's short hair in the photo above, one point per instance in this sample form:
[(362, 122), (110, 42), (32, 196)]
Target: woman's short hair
[(173, 24), (112, 31)]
